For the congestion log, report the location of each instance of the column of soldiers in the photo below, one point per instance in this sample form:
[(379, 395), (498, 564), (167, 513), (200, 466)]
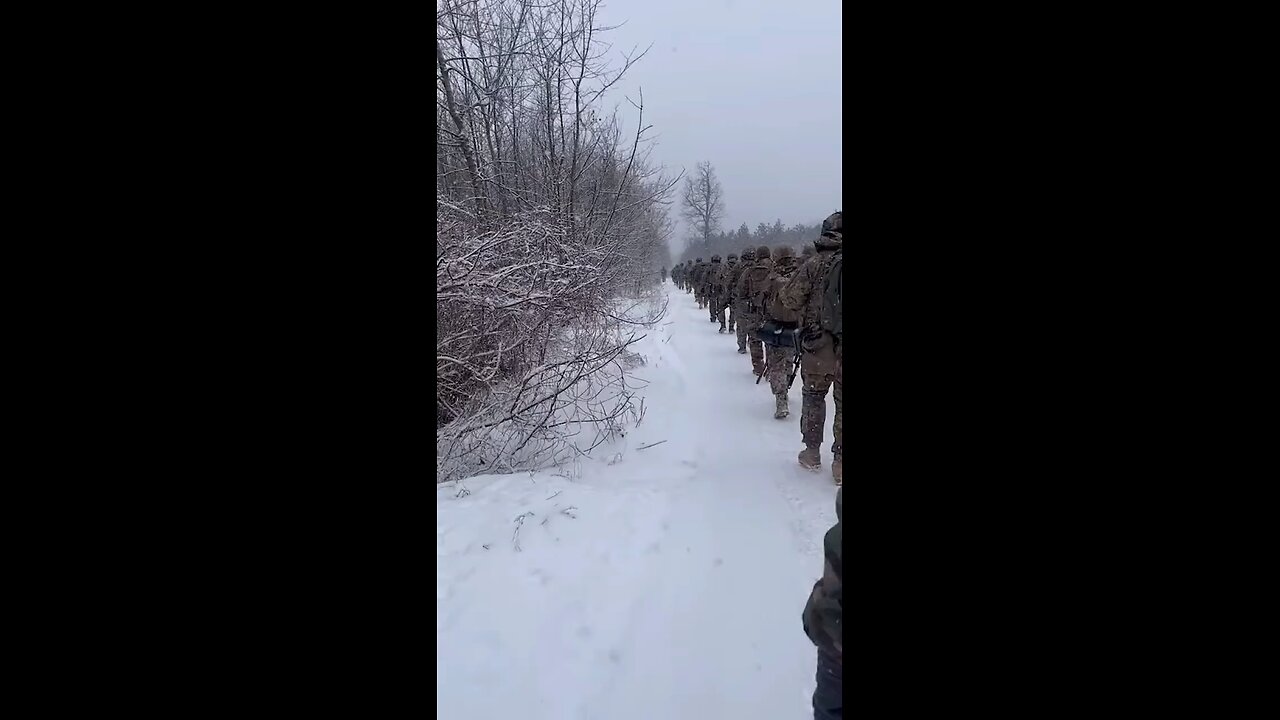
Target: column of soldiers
[(784, 295)]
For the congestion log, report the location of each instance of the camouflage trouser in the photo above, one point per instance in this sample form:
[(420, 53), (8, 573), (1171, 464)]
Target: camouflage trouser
[(732, 317), (779, 360), (742, 327), (828, 695), (751, 323), (717, 308), (820, 368)]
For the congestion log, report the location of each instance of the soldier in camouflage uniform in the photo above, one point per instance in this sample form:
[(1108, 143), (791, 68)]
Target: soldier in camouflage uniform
[(708, 286), (729, 275), (820, 368), (720, 290), (736, 307), (779, 360), (823, 622), (675, 274), (697, 280), (751, 290)]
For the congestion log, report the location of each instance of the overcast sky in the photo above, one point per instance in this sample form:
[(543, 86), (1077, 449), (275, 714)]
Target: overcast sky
[(753, 86)]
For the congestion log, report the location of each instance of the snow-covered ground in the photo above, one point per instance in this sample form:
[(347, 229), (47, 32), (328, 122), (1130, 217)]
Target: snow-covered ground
[(663, 583)]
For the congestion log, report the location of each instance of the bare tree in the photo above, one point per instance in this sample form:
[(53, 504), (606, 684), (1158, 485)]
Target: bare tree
[(703, 201)]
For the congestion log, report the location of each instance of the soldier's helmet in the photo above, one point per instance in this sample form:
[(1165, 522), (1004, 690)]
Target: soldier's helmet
[(833, 225), (715, 258), (762, 252), (699, 260), (808, 250), (749, 254), (784, 252), (731, 257)]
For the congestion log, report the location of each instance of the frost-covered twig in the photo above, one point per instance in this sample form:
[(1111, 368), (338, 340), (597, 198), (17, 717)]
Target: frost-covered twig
[(515, 536)]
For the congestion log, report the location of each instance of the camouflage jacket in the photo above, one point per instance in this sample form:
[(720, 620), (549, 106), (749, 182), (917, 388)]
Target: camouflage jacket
[(720, 284), (709, 276), (734, 278), (751, 284), (823, 614), (778, 279), (803, 292)]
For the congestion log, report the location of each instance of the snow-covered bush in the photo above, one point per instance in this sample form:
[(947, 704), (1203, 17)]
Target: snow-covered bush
[(547, 217)]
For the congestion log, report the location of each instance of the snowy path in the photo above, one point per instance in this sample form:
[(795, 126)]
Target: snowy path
[(675, 588)]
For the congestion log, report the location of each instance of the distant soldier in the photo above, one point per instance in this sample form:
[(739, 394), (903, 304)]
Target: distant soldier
[(708, 285), (698, 267), (664, 273), (735, 303), (780, 356), (730, 276), (820, 367), (720, 290), (751, 289)]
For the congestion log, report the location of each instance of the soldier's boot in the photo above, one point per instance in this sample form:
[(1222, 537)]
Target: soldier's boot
[(721, 330), (836, 468), (780, 406), (742, 350), (811, 458)]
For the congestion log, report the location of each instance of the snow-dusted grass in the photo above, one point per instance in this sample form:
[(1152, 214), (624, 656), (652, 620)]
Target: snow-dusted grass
[(657, 583)]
